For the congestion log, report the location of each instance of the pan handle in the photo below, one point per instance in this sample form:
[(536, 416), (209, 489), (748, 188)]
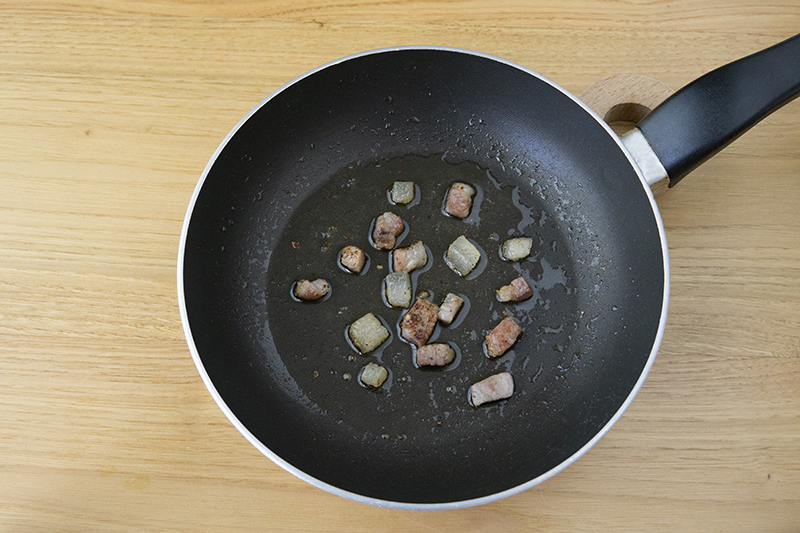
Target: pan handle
[(709, 113)]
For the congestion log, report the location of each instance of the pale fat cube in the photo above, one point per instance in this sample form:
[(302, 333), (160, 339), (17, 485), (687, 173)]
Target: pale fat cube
[(462, 256), (398, 289), (367, 333), (402, 192), (517, 248), (374, 375)]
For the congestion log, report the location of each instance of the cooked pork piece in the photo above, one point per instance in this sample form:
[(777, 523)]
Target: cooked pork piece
[(459, 200), (374, 375), (437, 354), (517, 248), (462, 256), (502, 337), (398, 289), (387, 227), (311, 290), (450, 307), (418, 323), (407, 259), (402, 192), (497, 387), (516, 291), (367, 333), (353, 258)]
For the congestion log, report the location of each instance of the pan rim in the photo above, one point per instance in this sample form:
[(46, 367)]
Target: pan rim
[(410, 505)]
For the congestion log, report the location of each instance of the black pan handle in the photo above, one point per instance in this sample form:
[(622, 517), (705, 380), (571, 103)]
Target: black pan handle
[(708, 114)]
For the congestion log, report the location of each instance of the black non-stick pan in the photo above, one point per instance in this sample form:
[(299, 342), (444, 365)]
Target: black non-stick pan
[(307, 172)]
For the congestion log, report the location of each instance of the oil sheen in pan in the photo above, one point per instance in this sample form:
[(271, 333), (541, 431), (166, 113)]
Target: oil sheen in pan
[(311, 338)]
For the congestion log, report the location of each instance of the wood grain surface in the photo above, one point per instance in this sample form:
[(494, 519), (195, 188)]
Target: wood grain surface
[(109, 111)]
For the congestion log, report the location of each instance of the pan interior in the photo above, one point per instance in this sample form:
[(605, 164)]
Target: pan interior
[(307, 173)]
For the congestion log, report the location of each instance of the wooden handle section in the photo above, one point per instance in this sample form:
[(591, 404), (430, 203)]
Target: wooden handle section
[(625, 99)]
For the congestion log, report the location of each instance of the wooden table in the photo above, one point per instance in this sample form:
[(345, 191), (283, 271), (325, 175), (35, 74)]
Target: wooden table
[(109, 111)]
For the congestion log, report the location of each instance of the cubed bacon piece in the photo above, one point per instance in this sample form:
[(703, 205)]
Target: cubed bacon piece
[(450, 307), (502, 337), (367, 333), (311, 290), (418, 323), (497, 387), (462, 256), (373, 375), (459, 200), (397, 288), (516, 291), (408, 259), (402, 192), (387, 227), (517, 248), (353, 258), (437, 354)]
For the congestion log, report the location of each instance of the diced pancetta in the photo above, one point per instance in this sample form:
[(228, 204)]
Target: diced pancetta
[(353, 258), (387, 228), (367, 333), (497, 387), (462, 256), (450, 307), (516, 291), (436, 354), (502, 337), (417, 325), (311, 290), (408, 259), (459, 200), (373, 375), (517, 248), (402, 192), (398, 289)]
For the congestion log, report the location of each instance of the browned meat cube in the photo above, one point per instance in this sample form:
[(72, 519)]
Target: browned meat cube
[(459, 200), (437, 354), (497, 387), (387, 227), (408, 259), (311, 290), (502, 337), (353, 258), (418, 323), (516, 291)]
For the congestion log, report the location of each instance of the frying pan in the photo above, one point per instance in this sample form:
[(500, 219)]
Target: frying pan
[(306, 172)]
